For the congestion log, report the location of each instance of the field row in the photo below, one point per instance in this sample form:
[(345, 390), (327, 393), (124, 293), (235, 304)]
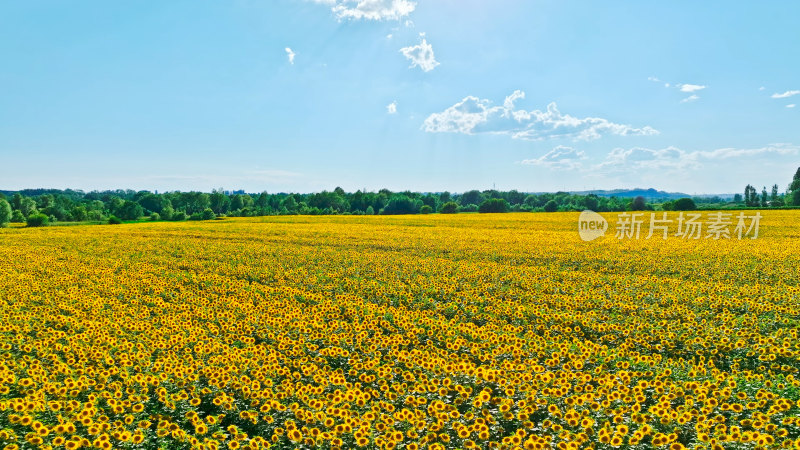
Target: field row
[(490, 331)]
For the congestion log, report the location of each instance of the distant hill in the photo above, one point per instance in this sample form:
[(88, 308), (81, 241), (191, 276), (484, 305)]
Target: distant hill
[(648, 194)]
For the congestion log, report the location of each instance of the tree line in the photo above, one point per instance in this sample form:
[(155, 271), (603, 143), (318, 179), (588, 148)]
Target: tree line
[(50, 205), (38, 207)]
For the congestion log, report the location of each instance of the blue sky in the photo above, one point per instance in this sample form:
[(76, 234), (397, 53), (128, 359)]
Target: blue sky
[(305, 95)]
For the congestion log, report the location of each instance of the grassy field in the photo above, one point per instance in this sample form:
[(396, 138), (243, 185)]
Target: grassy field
[(460, 331)]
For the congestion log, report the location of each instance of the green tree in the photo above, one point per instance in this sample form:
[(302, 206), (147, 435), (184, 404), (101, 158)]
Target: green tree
[(764, 197), (45, 201), (79, 213), (794, 189), (219, 201), (471, 197), (514, 197), (130, 211), (551, 206), (247, 201), (237, 202), (425, 209), (262, 201), (329, 200), (430, 200), (16, 200), (402, 204), (38, 220), (684, 204), (5, 213), (750, 196), (358, 202), (494, 205), (114, 220), (153, 203), (167, 212), (639, 204), (290, 204), (27, 206), (95, 215), (17, 216), (208, 214), (590, 202), (775, 197), (191, 202), (114, 204), (449, 208), (370, 211)]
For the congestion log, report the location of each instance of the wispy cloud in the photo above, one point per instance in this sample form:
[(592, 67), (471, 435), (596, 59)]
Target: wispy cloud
[(370, 9), (691, 87), (646, 158), (391, 108), (690, 98), (730, 152), (290, 54), (682, 87), (790, 105), (786, 94), (675, 158), (421, 55), (473, 115), (560, 157)]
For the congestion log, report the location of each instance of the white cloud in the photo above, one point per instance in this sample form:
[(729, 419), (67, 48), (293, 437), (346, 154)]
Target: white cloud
[(786, 94), (645, 158), (729, 152), (421, 55), (370, 9), (290, 54), (473, 115), (790, 105), (690, 98), (620, 159), (560, 157), (683, 87), (691, 87), (391, 108), (761, 88)]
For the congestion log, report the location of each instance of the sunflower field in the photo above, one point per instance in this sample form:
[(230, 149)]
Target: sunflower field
[(432, 332)]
